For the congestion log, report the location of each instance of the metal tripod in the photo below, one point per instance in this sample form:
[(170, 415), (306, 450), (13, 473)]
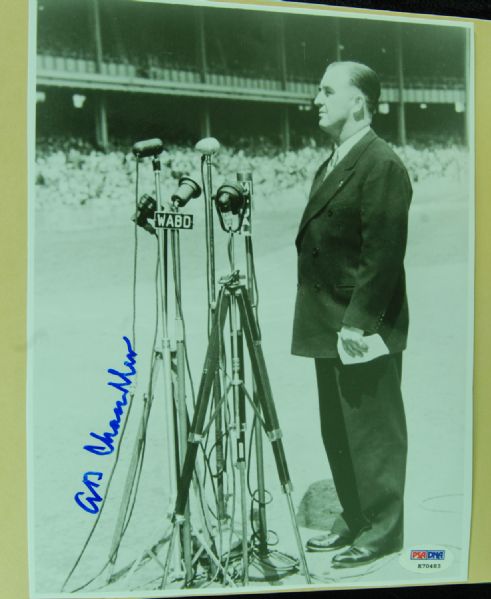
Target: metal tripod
[(172, 363), (234, 300)]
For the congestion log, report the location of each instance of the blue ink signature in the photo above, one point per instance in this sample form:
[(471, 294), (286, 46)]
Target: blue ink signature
[(83, 499), (92, 501), (108, 437)]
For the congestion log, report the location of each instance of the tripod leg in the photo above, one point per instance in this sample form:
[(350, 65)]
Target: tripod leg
[(262, 533), (195, 433), (130, 478), (128, 486), (207, 377), (269, 411), (261, 379), (170, 552), (182, 436), (200, 510), (208, 550), (237, 353), (219, 458)]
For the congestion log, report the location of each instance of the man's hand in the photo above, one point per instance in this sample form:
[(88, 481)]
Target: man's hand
[(352, 340)]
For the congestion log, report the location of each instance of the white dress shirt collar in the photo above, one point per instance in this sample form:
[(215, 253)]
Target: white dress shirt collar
[(347, 144)]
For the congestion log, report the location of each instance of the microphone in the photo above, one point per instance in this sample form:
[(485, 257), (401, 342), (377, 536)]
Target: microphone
[(188, 188), (148, 147), (230, 197), (207, 145)]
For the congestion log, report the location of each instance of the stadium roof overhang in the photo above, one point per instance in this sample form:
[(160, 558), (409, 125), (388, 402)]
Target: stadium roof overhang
[(243, 89)]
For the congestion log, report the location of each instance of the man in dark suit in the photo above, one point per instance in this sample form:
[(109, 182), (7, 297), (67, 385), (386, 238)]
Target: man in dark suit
[(351, 283)]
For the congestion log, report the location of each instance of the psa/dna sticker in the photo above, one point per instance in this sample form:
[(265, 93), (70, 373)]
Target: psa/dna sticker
[(426, 559)]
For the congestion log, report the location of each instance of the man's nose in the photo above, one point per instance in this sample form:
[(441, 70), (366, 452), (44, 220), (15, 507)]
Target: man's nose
[(317, 101)]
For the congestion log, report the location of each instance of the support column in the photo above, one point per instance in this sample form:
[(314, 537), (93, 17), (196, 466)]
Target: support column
[(201, 55), (467, 67), (337, 39), (101, 129), (285, 127), (206, 119), (281, 51), (96, 22), (401, 111)]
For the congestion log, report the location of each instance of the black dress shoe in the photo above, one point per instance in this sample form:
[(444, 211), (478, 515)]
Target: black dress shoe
[(356, 556), (327, 542)]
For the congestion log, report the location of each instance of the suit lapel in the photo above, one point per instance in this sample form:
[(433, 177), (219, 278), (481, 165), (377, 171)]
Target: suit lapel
[(319, 176), (324, 190)]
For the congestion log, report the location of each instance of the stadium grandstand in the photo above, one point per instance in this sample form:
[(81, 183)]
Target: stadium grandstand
[(113, 71)]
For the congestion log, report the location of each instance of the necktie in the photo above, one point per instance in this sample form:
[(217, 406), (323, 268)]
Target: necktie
[(332, 163)]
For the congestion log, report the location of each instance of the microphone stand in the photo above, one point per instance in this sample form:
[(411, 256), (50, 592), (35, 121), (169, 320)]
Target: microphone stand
[(182, 414), (192, 541), (233, 301), (246, 179), (268, 560), (162, 237), (190, 545), (239, 405), (212, 302), (173, 469)]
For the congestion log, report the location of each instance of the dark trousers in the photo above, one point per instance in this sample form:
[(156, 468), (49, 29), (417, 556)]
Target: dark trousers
[(363, 427)]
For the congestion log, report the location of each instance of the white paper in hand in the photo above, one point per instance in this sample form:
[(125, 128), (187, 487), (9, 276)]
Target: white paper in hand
[(376, 348)]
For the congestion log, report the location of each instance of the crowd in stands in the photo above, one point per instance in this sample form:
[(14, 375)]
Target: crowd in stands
[(71, 171), (63, 29), (147, 39)]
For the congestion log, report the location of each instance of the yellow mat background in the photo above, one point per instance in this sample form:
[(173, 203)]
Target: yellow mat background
[(13, 260)]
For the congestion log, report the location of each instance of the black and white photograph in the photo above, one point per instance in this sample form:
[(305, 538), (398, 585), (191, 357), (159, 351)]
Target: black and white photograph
[(250, 298)]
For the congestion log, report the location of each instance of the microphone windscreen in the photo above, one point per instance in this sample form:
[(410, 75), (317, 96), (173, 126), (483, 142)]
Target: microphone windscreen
[(148, 147), (188, 188), (208, 145)]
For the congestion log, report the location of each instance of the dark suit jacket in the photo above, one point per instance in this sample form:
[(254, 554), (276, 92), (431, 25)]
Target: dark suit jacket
[(351, 245)]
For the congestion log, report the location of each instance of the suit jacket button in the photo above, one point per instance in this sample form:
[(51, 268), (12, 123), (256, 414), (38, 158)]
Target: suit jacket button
[(315, 252), (329, 212), (317, 287)]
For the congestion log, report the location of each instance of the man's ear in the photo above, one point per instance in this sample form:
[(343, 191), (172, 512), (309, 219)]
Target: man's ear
[(359, 112)]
